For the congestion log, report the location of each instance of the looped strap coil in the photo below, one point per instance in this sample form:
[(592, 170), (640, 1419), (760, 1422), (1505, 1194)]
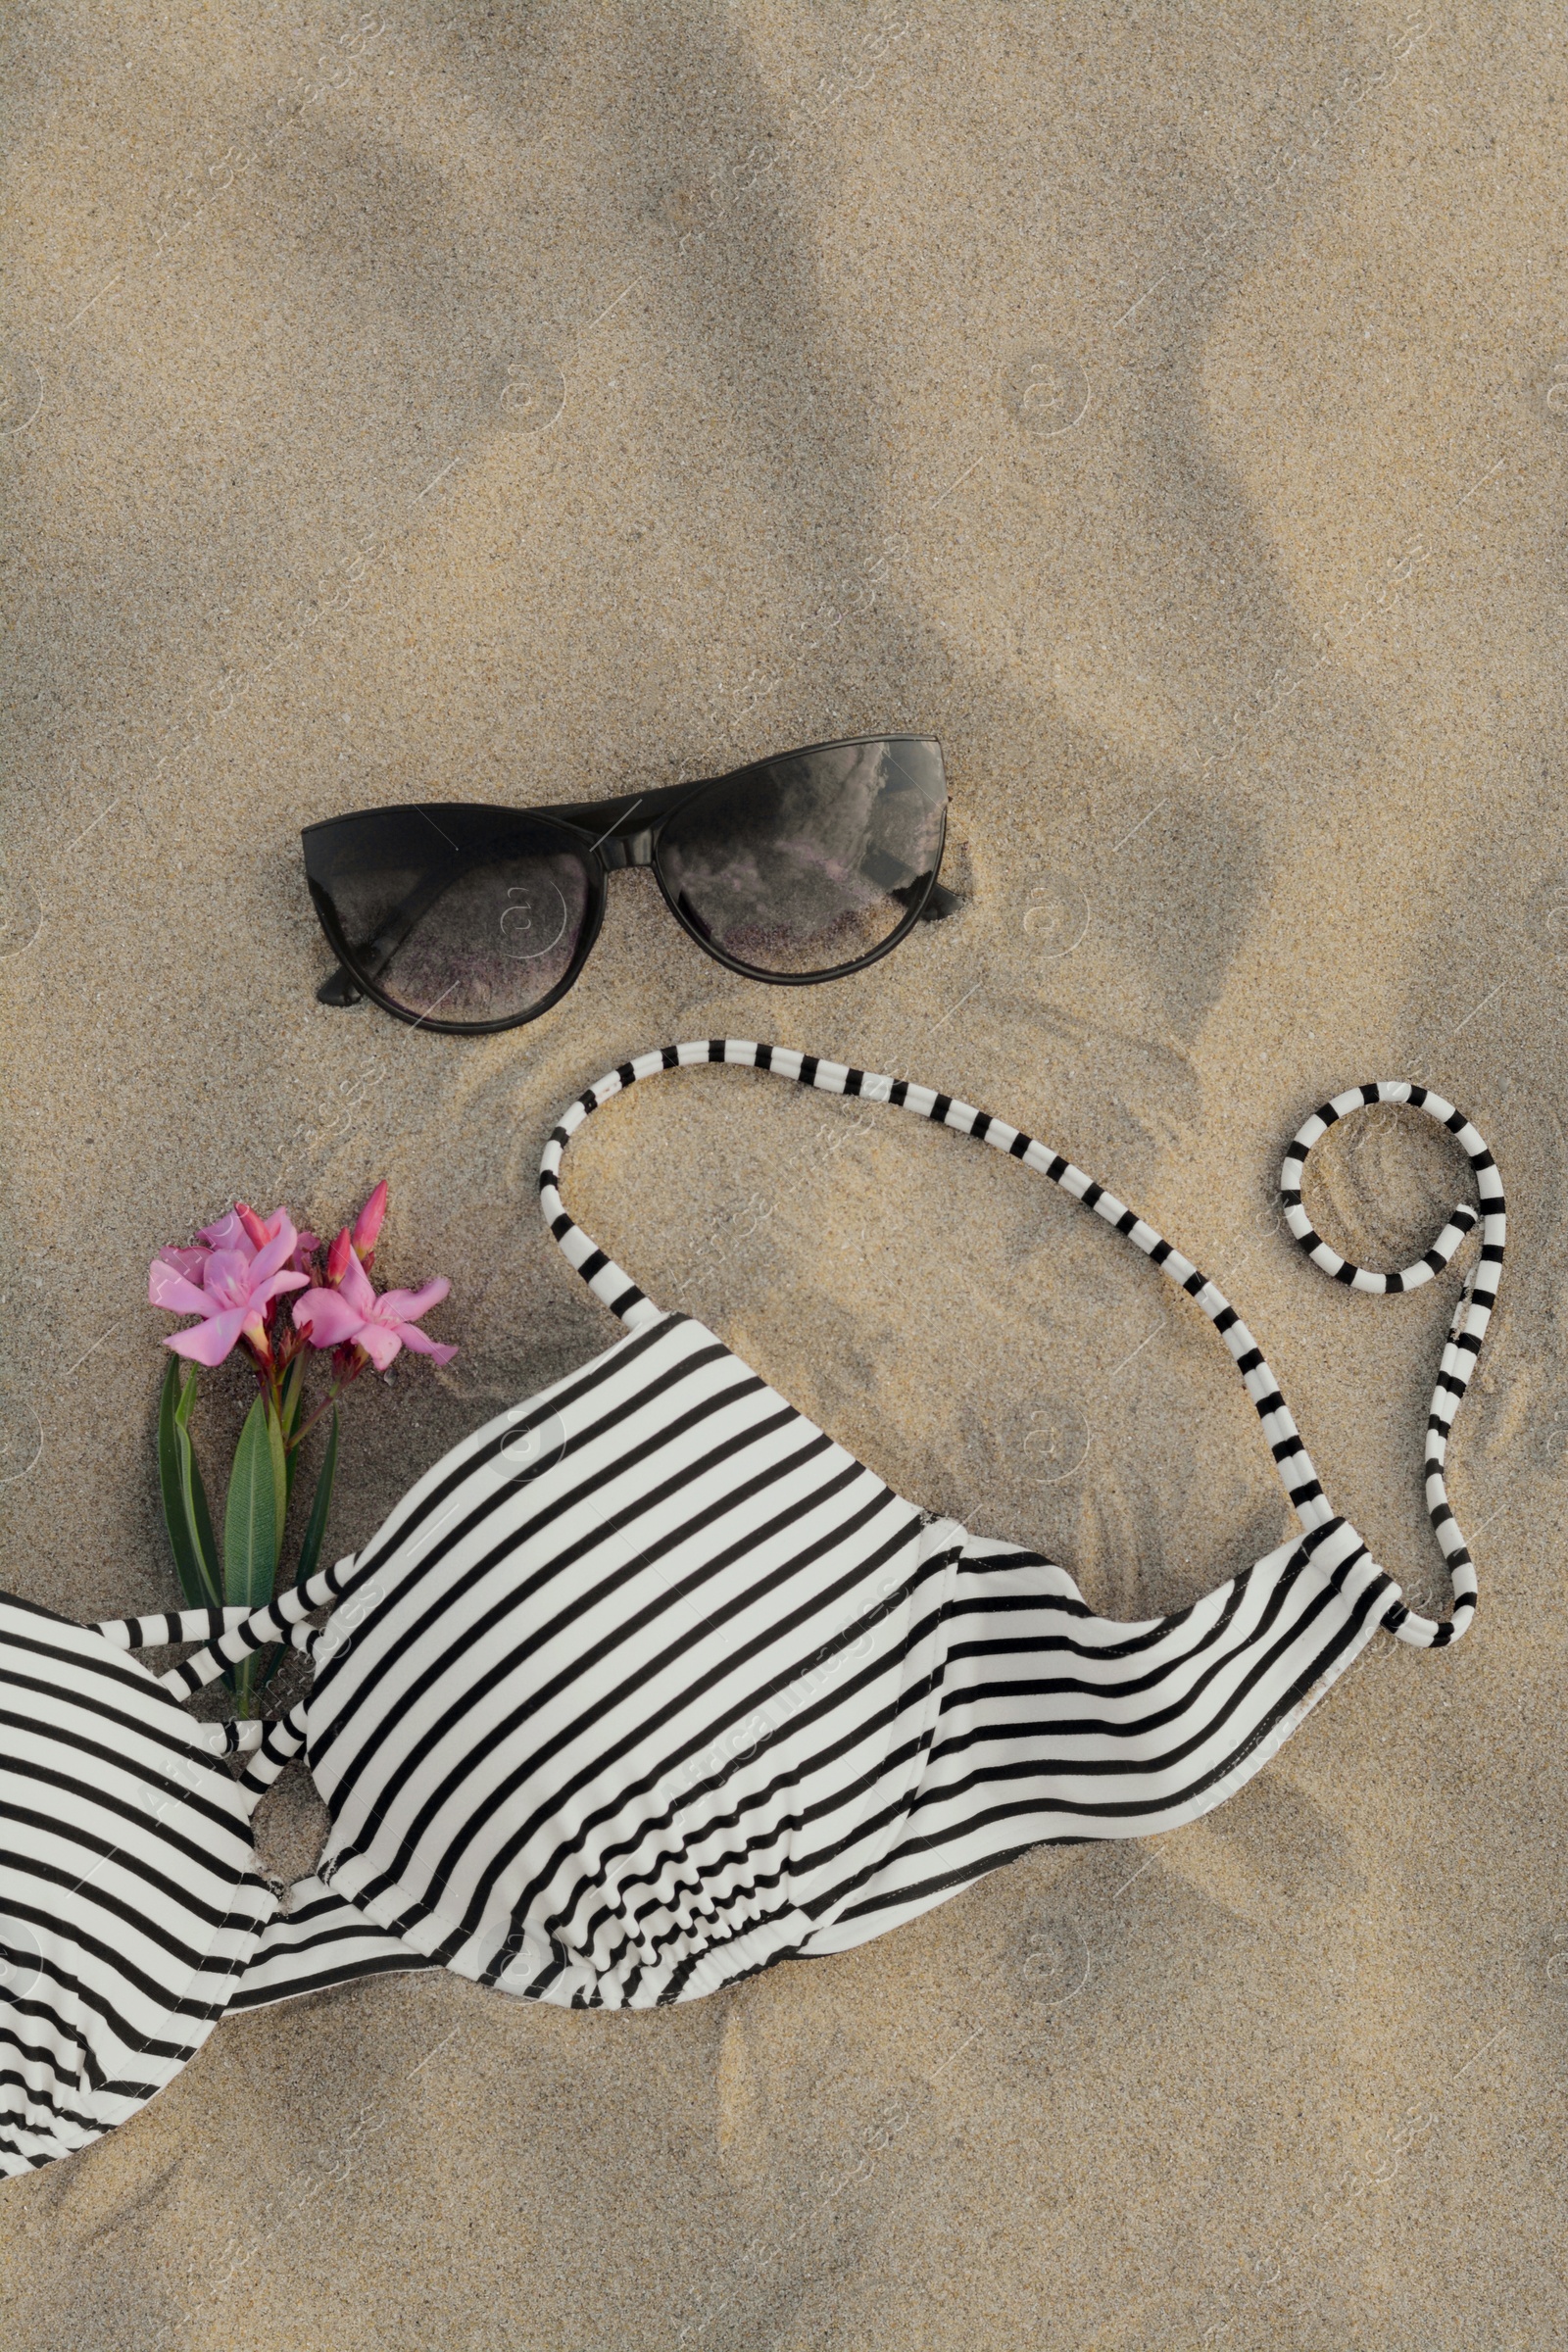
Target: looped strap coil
[(1467, 1327)]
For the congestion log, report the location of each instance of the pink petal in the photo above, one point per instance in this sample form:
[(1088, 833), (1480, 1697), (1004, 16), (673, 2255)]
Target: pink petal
[(228, 1233), (168, 1289), (403, 1307), (277, 1253), (420, 1343), (276, 1285), (193, 1263), (227, 1281), (357, 1288), (326, 1318), (208, 1342), (380, 1344), (228, 1266)]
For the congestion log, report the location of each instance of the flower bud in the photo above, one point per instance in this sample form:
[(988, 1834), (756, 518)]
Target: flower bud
[(256, 1231), (337, 1258), (367, 1224)]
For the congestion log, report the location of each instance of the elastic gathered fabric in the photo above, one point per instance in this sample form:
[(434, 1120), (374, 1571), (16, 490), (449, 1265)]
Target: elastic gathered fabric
[(648, 1684)]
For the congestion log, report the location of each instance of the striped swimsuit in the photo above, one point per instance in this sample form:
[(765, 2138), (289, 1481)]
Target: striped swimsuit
[(648, 1684)]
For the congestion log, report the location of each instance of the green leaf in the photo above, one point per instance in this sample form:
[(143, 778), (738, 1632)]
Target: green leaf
[(315, 1527), (293, 1394), (181, 1541), (309, 1549), (280, 1484), (252, 1528), (293, 1387), (201, 1520), (251, 1519), (184, 1497), (195, 1493)]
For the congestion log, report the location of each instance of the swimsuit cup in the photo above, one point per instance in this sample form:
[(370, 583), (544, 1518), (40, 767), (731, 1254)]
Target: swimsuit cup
[(647, 1686)]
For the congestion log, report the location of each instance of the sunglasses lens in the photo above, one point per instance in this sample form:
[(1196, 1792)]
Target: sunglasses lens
[(810, 863), (459, 914)]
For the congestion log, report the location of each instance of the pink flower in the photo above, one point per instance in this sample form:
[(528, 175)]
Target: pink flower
[(241, 1228), (237, 1280), (337, 1258), (227, 1234), (382, 1326), (368, 1225)]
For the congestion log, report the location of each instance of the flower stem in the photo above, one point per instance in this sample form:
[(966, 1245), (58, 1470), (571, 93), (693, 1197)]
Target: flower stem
[(328, 1400)]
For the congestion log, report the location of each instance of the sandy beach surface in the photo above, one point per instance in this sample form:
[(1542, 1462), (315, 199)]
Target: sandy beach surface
[(1169, 409)]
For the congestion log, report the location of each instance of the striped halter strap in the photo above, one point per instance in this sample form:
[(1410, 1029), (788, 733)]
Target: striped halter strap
[(1471, 1314)]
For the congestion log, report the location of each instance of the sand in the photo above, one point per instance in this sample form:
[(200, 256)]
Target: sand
[(1167, 410)]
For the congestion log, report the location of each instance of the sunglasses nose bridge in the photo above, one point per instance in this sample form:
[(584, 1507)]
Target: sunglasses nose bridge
[(620, 851)]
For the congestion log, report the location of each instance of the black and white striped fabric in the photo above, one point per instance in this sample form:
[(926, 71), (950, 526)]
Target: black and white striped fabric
[(128, 1903), (131, 1915), (648, 1684)]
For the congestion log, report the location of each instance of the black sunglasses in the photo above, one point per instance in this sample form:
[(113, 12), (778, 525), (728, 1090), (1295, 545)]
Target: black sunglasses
[(460, 915)]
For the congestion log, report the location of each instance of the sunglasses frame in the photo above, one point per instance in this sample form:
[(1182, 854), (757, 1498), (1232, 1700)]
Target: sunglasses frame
[(614, 836)]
